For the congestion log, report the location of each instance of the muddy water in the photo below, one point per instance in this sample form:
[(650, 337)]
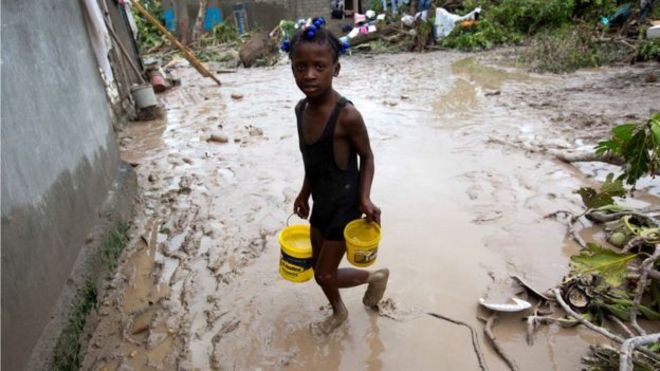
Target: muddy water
[(460, 214)]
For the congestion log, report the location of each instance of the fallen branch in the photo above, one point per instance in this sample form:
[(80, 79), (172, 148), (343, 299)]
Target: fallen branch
[(489, 334), (626, 359), (570, 222), (623, 326), (589, 157), (473, 334), (570, 158), (647, 265), (599, 329)]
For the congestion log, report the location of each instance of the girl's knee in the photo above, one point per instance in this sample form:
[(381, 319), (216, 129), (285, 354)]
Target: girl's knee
[(324, 279)]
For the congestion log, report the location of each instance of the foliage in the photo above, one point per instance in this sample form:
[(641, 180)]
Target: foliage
[(593, 9), (610, 188), (376, 6), (649, 50), (149, 36), (639, 147), (66, 354), (484, 35), (528, 16), (569, 48), (67, 350), (621, 306), (610, 265), (224, 33)]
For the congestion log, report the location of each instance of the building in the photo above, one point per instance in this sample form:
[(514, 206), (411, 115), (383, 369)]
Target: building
[(63, 91)]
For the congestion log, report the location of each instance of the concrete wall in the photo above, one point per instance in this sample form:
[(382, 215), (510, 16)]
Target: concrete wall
[(59, 159), (313, 8)]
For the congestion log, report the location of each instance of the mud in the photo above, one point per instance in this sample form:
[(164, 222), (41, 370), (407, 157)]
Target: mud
[(461, 212)]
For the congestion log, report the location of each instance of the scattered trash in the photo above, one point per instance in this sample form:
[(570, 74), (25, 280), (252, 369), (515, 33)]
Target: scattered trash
[(144, 96), (236, 96), (653, 32), (619, 17), (519, 305), (445, 21)]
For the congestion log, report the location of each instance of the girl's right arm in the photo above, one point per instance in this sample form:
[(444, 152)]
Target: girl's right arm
[(301, 204)]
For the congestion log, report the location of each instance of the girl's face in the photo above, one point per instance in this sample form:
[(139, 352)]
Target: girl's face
[(313, 68)]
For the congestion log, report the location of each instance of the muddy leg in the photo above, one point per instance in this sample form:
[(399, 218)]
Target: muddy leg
[(332, 279), (377, 284)]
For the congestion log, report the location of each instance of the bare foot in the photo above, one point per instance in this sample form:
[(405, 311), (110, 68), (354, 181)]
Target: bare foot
[(329, 324), (376, 288), (332, 322)]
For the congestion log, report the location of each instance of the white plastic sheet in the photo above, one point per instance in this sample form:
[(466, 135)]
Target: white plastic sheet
[(445, 21)]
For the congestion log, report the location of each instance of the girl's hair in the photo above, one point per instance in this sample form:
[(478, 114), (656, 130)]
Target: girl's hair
[(322, 36)]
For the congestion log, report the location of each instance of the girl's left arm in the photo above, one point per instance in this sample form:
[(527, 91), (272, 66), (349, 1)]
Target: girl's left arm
[(358, 136)]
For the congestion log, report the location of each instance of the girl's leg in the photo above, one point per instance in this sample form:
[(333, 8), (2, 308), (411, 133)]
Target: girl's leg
[(332, 279)]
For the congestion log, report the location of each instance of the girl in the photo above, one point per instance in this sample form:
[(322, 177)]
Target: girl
[(332, 136)]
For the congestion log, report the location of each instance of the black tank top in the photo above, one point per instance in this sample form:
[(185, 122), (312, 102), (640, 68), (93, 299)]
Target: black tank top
[(331, 186)]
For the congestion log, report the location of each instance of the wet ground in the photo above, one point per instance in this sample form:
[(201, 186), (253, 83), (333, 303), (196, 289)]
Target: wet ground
[(463, 192)]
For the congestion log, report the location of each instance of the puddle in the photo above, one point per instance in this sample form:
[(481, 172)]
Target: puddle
[(459, 216)]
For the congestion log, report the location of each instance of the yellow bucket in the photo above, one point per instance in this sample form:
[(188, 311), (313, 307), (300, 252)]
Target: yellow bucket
[(296, 253), (362, 240)]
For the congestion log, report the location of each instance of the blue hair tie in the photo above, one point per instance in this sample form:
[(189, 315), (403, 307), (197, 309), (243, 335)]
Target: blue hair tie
[(319, 22), (286, 46), (344, 46), (310, 32)]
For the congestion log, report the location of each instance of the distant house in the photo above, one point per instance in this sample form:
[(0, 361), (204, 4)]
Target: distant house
[(180, 15)]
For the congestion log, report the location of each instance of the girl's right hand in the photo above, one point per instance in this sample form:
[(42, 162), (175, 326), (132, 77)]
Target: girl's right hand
[(301, 207)]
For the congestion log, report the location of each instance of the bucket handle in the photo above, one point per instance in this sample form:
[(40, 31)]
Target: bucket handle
[(288, 220)]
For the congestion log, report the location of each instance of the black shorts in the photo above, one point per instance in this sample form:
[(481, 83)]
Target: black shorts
[(331, 220)]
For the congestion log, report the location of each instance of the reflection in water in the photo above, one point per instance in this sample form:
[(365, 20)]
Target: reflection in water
[(376, 347)]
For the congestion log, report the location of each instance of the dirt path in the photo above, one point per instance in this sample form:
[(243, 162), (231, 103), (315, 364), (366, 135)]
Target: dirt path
[(199, 288)]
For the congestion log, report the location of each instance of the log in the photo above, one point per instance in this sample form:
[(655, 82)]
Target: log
[(259, 46)]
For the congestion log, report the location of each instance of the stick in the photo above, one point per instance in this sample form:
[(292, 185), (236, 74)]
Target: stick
[(647, 265), (489, 334), (599, 329), (626, 360), (622, 325), (124, 52), (473, 334), (186, 53), (570, 221)]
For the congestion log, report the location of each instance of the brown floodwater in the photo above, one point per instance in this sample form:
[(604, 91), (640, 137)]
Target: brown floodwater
[(200, 288)]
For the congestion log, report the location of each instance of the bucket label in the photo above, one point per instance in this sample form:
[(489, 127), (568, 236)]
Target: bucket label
[(295, 264), (365, 256)]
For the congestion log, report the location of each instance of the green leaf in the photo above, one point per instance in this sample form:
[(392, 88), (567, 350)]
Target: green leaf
[(613, 187), (636, 154), (593, 199), (624, 132), (621, 307), (610, 265), (655, 347), (654, 123)]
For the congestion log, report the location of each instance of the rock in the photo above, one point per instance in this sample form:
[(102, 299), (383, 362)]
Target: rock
[(259, 46), (236, 96), (651, 77), (256, 132), (218, 137)]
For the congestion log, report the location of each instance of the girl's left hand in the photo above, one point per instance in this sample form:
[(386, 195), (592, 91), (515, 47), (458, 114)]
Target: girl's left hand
[(370, 210)]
